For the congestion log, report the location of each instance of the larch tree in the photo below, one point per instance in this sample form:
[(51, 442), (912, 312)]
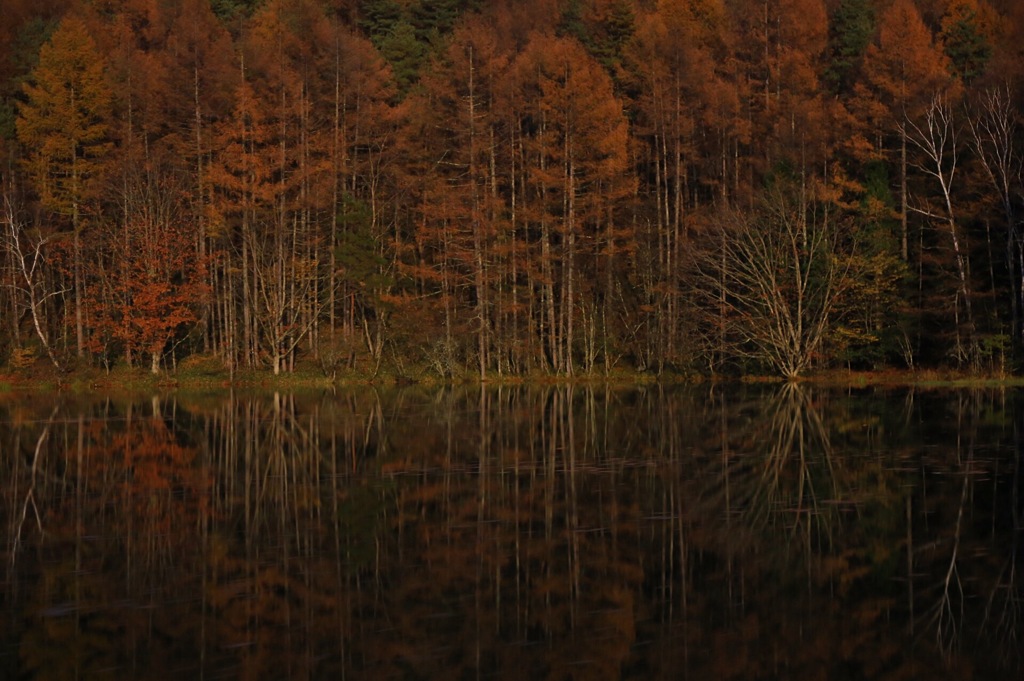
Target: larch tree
[(200, 55), (153, 98), (460, 212), (241, 178), (65, 127), (293, 53), (689, 126), (781, 48), (1007, 47), (577, 161), (360, 144)]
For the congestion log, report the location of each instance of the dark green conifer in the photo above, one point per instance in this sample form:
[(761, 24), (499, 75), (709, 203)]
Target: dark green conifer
[(964, 42), (850, 29)]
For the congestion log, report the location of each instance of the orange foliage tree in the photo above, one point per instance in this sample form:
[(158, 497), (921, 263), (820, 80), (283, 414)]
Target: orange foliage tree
[(576, 176), (65, 125), (689, 126), (454, 131), (153, 284)]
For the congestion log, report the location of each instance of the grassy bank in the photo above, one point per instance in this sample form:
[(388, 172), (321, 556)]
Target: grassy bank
[(209, 375), (925, 378)]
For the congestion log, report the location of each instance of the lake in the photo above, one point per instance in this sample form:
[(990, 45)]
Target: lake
[(706, 532)]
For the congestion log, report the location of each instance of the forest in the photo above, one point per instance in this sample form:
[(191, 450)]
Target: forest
[(512, 187)]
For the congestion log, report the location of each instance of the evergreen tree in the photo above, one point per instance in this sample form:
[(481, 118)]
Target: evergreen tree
[(21, 59), (603, 27), (964, 41), (850, 29), (231, 11), (435, 18), (378, 18), (405, 53)]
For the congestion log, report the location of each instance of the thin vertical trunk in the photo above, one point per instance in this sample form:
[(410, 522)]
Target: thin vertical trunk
[(994, 133), (677, 217), (336, 175), (937, 140), (500, 304), (205, 328), (247, 336), (514, 331), (904, 250), (76, 227), (547, 272), (285, 279), (446, 295), (481, 302), (608, 289), (569, 264)]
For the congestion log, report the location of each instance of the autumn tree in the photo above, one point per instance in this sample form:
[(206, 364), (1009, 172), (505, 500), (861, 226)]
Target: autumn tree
[(689, 127), (506, 186), (576, 163), (200, 55), (25, 29), (781, 46), (152, 286), (241, 181), (459, 213), (362, 124), (65, 127), (279, 175)]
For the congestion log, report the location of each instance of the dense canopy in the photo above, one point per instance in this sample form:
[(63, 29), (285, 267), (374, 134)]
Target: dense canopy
[(496, 188)]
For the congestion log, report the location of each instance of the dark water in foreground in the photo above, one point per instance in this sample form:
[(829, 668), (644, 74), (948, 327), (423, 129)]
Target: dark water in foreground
[(748, 533)]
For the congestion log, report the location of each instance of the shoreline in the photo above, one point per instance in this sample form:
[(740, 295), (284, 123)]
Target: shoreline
[(124, 380)]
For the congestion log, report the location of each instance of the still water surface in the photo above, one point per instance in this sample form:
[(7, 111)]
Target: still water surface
[(756, 532)]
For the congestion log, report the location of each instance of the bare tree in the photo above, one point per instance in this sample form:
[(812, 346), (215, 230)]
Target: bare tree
[(284, 288), (937, 138), (29, 282), (774, 279), (993, 126)]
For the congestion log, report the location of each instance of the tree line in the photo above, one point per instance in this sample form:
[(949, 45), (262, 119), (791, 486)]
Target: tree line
[(552, 186)]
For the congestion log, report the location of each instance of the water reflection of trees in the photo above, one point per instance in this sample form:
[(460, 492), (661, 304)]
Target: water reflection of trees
[(784, 485), (575, 532), (1003, 619), (971, 597)]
